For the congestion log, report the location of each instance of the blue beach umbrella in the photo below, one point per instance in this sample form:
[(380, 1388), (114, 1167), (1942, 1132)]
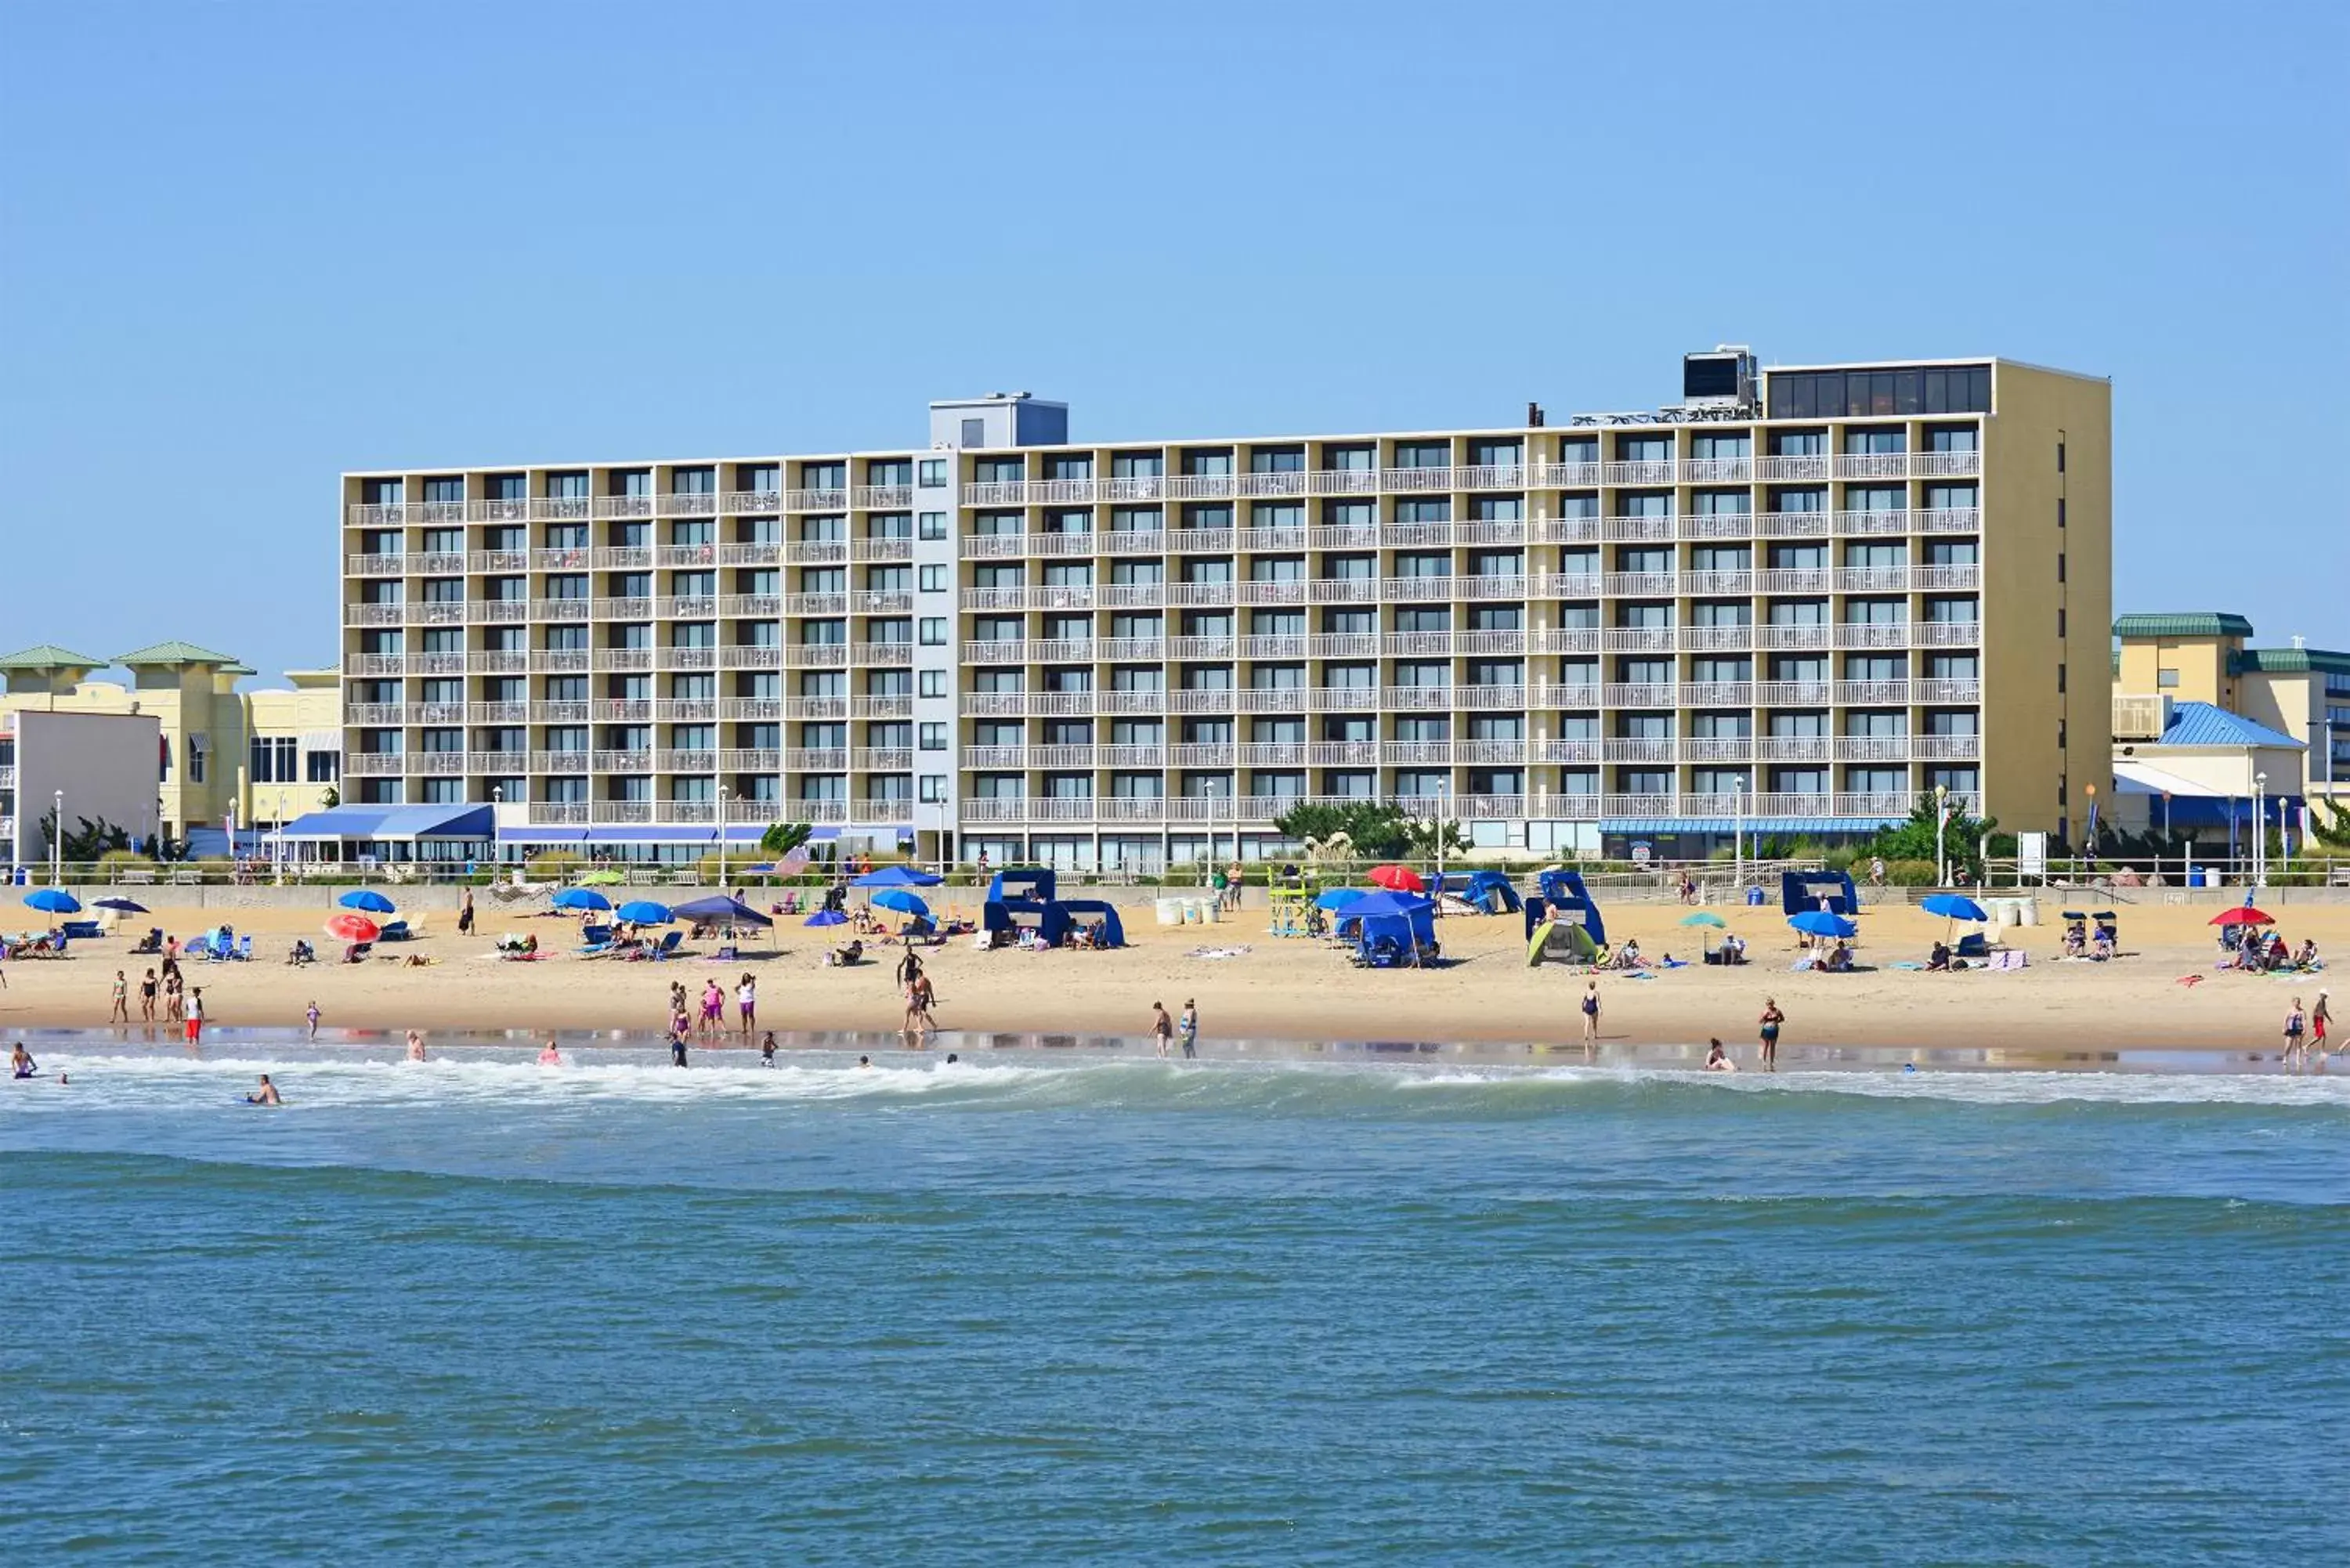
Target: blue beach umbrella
[(645, 912), (1822, 923), (1954, 906), (121, 905), (53, 902), (581, 898), (825, 918), (897, 876), (1339, 898), (366, 898), (901, 900)]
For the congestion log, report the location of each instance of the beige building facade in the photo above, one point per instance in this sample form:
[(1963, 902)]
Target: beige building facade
[(266, 755), (2300, 692), (1791, 603)]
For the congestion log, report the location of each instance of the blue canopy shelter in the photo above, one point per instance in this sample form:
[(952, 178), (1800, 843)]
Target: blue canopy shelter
[(1060, 916), (1803, 890), (1491, 892), (1562, 900), (1022, 882), (1392, 928)]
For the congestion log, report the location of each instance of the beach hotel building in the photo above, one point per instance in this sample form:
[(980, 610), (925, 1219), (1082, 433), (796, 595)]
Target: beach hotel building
[(1788, 603)]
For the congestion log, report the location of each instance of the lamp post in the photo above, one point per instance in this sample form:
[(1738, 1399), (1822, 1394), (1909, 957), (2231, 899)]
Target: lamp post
[(2089, 832), (58, 840), (1941, 820), (1738, 838), (722, 840), (497, 849), (2259, 830)]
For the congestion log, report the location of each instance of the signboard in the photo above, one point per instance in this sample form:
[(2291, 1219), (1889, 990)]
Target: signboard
[(2031, 855), (1640, 852)]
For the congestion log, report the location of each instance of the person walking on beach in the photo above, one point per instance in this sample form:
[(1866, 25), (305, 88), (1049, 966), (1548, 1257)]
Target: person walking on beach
[(919, 997), (1162, 1028), (196, 1015), (2294, 1021), (1769, 1021), (121, 1014), (175, 997), (147, 989), (746, 1003), (466, 915), (1187, 1029), (2321, 1022), (1590, 1016), (311, 1015), (713, 1010)]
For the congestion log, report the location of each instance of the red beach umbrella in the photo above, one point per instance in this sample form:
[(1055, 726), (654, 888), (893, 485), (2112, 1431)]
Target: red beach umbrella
[(2244, 916), (1398, 879), (350, 928)]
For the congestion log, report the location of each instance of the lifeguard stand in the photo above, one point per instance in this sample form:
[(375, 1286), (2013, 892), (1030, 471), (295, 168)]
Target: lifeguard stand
[(1292, 911)]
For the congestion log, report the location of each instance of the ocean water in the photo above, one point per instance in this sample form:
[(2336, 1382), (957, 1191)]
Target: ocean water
[(1070, 1307)]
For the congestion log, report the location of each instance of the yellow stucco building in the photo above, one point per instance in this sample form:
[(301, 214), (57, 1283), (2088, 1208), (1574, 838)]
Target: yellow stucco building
[(269, 754)]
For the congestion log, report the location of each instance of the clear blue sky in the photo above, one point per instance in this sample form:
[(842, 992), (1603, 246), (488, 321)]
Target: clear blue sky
[(245, 246)]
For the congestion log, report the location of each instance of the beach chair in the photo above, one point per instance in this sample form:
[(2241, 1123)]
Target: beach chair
[(397, 931), (245, 949), (668, 946), (87, 929)]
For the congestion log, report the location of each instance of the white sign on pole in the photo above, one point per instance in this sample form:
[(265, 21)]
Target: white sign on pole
[(2031, 855)]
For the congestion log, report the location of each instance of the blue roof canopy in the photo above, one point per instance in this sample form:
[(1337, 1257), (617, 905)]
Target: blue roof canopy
[(457, 821), (337, 821), (2207, 725)]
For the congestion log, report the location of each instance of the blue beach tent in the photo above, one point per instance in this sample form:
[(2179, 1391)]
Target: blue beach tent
[(1802, 891), (1062, 915)]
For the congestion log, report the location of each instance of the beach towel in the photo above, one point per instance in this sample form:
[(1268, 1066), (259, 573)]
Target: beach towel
[(2190, 980), (1217, 952)]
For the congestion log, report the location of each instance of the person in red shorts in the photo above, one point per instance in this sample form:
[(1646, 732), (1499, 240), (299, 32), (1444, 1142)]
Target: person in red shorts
[(195, 1014)]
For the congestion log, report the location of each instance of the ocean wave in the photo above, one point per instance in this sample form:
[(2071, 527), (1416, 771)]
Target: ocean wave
[(320, 1076)]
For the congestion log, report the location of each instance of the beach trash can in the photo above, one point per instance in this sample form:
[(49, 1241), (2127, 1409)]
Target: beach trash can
[(1170, 912), (1754, 897), (2201, 878)]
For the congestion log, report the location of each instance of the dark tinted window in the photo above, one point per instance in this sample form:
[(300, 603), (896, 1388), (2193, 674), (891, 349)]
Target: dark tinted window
[(1875, 394)]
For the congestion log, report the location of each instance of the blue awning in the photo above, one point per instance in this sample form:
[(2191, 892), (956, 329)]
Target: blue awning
[(457, 821), (566, 833), (338, 822), (1751, 825), (693, 833)]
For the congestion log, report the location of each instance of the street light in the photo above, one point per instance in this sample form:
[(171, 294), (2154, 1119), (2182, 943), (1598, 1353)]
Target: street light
[(2260, 831), (57, 841), (1738, 836), (722, 839), (1941, 820), (497, 799)]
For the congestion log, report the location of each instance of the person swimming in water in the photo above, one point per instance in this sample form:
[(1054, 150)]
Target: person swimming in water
[(677, 1046), (767, 1050), (265, 1096), (20, 1062), (863, 1063), (548, 1056), (953, 1058)]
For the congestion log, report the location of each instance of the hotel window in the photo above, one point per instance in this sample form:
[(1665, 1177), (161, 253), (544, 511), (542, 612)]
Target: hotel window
[(1649, 504), (574, 486), (933, 525), (933, 630), (1495, 453), (888, 471), (933, 683), (1338, 514), (933, 472), (1350, 458), (760, 478), (693, 482), (1719, 446), (934, 579), (1950, 553), (1277, 460), (1578, 449), (1876, 441), (890, 525), (1137, 520), (1423, 564), (443, 491), (933, 789), (999, 470), (932, 737), (1497, 508), (1423, 454), (1951, 438), (1644, 449), (1276, 514), (1208, 463), (1137, 465), (1953, 611)]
